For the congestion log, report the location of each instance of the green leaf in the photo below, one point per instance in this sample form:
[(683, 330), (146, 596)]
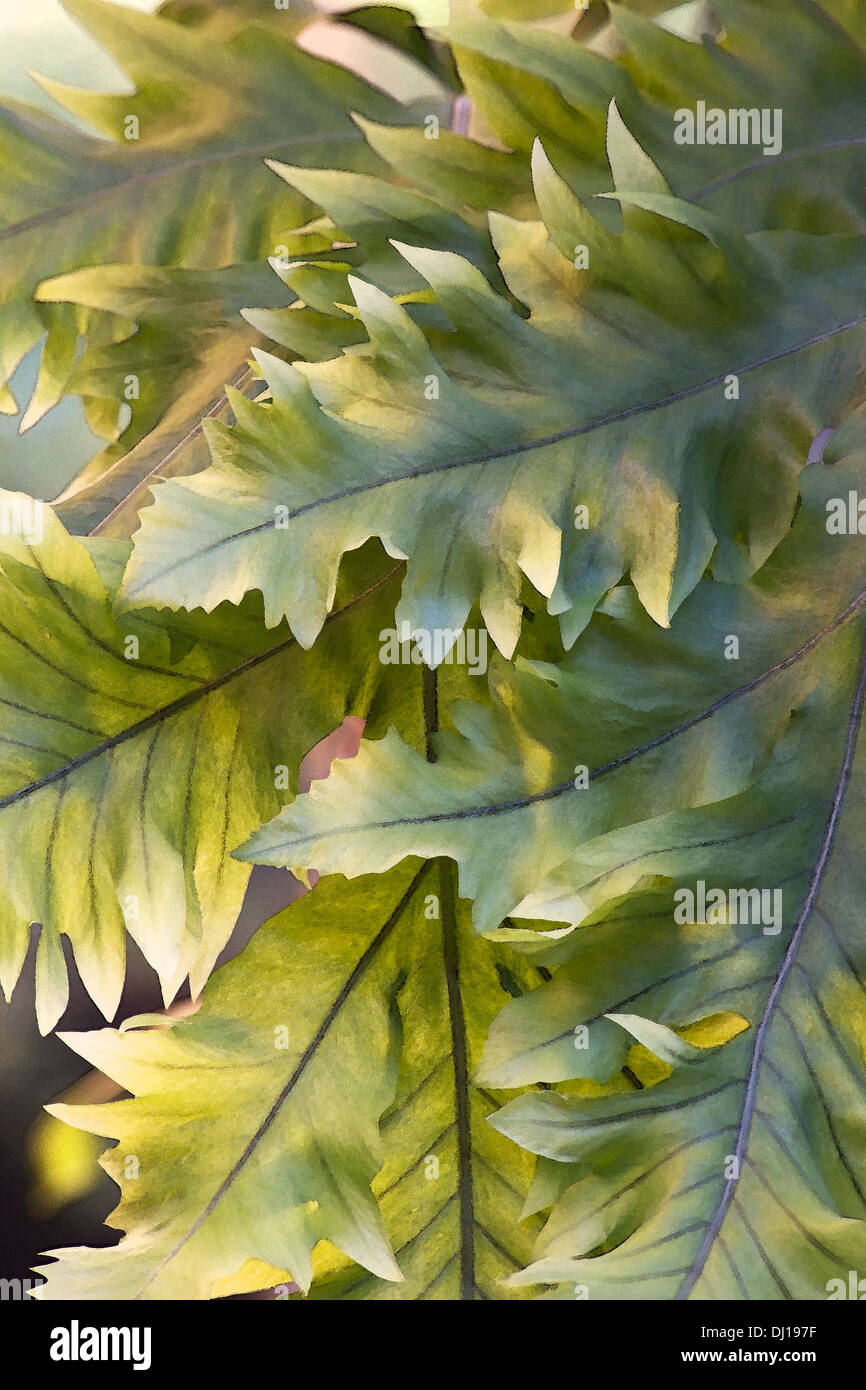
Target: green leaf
[(706, 326), (227, 16), (376, 212), (186, 337), (453, 1224), (211, 101), (803, 60), (136, 755), (182, 334), (255, 1125), (454, 167), (576, 762), (626, 390), (554, 1033), (742, 1178), (733, 1169)]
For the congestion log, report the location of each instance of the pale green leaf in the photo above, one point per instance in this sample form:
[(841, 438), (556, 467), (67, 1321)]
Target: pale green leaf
[(742, 1178), (705, 327), (189, 189), (136, 755), (254, 1124), (577, 762), (806, 61)]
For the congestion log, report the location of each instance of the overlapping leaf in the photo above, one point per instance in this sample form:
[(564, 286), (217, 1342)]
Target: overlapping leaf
[(803, 59), (188, 339), (186, 188), (498, 61), (741, 1176), (135, 756), (507, 798), (650, 418), (254, 1124), (508, 447), (180, 336)]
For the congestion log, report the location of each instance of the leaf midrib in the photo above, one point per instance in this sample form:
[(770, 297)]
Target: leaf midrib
[(463, 1192), (136, 180), (787, 157), (181, 704), (754, 1075), (459, 1054), (242, 378), (519, 803), (493, 455), (305, 1059), (620, 1004)]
